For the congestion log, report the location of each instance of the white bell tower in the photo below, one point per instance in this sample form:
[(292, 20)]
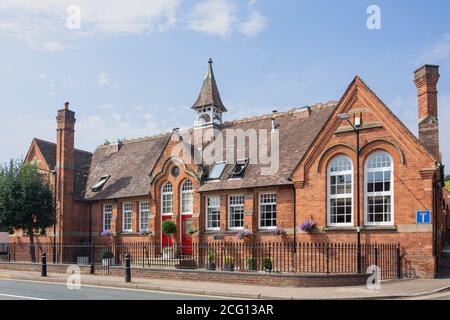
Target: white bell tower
[(209, 107)]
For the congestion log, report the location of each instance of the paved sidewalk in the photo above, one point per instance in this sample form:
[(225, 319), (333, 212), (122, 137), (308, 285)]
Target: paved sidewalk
[(389, 289)]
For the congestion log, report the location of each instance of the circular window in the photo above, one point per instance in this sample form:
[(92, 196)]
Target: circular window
[(175, 172)]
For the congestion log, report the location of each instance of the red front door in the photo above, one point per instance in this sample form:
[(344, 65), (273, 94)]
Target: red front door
[(165, 240), (186, 238)]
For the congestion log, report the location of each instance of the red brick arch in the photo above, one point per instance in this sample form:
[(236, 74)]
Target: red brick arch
[(333, 151), (382, 145)]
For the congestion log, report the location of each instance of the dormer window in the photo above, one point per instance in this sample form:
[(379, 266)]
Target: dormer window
[(100, 183), (238, 169), (217, 170)]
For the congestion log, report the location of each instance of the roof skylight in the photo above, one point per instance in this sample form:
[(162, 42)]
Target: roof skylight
[(217, 170), (238, 169), (100, 183)]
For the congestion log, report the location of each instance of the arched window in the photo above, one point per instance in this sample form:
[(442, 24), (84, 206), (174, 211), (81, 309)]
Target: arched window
[(340, 192), (167, 199), (379, 180), (187, 197)]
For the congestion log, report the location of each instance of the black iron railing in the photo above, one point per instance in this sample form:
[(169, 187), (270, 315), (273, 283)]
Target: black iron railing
[(273, 257)]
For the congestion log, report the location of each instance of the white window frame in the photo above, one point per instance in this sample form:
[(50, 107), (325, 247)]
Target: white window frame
[(382, 193), (189, 193), (217, 206), (340, 196), (124, 217), (236, 205), (109, 205), (259, 210), (142, 217), (166, 193)]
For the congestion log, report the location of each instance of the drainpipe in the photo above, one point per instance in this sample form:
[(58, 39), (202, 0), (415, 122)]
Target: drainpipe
[(90, 223), (295, 215)]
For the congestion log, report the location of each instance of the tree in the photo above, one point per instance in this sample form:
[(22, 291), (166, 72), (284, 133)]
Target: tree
[(447, 183), (26, 201)]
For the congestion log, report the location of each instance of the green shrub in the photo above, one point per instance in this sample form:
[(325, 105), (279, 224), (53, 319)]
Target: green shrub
[(251, 263), (228, 260), (211, 256), (168, 227), (268, 264)]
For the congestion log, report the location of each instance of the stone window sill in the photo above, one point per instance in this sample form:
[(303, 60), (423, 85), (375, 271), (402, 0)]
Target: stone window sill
[(366, 228), (129, 233)]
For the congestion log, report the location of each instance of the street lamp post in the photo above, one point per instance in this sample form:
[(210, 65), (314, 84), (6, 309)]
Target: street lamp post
[(53, 172), (356, 128)]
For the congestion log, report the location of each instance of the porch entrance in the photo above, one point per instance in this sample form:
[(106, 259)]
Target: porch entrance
[(186, 238), (165, 240)]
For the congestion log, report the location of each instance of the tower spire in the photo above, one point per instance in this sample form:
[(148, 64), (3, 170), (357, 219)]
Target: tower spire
[(209, 94)]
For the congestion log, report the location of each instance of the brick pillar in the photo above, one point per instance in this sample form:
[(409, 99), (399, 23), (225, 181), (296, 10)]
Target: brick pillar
[(135, 215), (116, 218), (426, 79), (223, 212), (248, 212), (65, 163)]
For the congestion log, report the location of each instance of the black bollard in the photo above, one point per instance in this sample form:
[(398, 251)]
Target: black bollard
[(44, 265), (127, 268)]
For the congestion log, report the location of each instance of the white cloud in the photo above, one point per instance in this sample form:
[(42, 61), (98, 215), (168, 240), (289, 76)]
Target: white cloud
[(54, 46), (103, 79), (35, 21), (440, 50), (254, 25), (220, 17), (51, 83), (116, 125), (106, 107), (437, 53), (214, 17)]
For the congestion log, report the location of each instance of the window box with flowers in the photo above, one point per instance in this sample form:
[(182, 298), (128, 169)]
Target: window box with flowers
[(279, 232), (244, 235), (308, 226), (218, 236)]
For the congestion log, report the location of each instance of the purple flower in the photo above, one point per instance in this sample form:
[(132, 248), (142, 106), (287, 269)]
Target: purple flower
[(279, 232), (218, 236), (105, 233), (308, 225), (244, 234)]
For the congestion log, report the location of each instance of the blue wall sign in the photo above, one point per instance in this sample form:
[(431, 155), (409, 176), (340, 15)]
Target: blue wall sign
[(423, 216)]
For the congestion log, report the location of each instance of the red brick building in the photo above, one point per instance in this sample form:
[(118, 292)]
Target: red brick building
[(130, 187)]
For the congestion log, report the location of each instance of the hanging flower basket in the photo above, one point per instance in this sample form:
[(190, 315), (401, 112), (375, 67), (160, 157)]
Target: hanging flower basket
[(308, 226), (244, 235)]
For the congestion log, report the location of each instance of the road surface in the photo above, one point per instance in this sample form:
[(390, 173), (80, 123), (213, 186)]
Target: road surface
[(33, 290)]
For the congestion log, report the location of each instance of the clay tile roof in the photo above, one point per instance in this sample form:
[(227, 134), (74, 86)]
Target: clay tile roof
[(209, 93), (82, 162), (297, 130), (128, 167)]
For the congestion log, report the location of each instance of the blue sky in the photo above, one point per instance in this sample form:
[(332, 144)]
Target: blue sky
[(135, 67)]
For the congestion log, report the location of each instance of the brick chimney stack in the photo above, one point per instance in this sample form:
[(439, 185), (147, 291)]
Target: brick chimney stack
[(426, 79), (65, 162)]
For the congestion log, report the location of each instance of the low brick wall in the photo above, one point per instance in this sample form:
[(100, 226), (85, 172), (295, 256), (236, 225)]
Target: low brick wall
[(261, 279)]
